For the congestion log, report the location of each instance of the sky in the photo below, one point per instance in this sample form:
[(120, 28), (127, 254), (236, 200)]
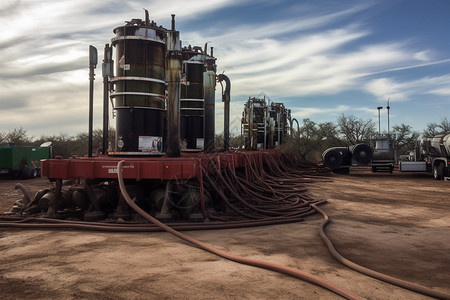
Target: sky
[(320, 58)]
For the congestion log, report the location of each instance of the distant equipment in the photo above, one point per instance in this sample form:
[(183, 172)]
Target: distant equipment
[(379, 158), (264, 126), (23, 161), (432, 154)]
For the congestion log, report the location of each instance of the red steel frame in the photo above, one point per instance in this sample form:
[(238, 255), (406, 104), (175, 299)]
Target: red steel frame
[(163, 168), (139, 168)]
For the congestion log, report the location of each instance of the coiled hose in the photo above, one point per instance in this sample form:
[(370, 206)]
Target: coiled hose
[(248, 261)]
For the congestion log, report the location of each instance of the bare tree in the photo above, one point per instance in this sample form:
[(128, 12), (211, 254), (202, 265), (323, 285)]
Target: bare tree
[(437, 128), (405, 138), (18, 136), (312, 139), (355, 130)]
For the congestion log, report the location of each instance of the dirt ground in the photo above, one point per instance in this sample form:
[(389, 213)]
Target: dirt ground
[(398, 224)]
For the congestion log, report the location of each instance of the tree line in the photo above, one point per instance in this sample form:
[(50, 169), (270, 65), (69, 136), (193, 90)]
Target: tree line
[(307, 141), (312, 139)]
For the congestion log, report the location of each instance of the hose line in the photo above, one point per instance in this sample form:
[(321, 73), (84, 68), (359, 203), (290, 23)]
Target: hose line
[(248, 261), (386, 278)]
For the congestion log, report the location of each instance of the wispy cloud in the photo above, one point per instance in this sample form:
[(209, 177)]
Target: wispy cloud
[(310, 51), (402, 91)]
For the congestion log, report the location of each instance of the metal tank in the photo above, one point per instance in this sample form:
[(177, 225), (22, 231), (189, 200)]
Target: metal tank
[(197, 99), (139, 91), (384, 149), (255, 125), (279, 114)]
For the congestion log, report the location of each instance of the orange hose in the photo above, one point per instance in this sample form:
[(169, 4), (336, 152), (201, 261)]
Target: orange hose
[(386, 278), (252, 262)]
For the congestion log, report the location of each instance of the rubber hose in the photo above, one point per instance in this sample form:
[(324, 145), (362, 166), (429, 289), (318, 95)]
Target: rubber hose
[(26, 193), (252, 262), (246, 203), (112, 227), (392, 280)]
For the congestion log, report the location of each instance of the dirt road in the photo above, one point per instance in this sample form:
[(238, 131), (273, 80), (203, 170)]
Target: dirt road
[(397, 224)]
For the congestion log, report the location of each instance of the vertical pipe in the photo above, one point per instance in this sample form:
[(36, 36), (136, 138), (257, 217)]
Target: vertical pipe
[(279, 125), (173, 68), (92, 65), (226, 119), (147, 18), (379, 122), (265, 125), (173, 22), (250, 126), (107, 67), (209, 84), (388, 107)]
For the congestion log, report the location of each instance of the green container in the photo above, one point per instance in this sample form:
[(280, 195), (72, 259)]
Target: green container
[(14, 159)]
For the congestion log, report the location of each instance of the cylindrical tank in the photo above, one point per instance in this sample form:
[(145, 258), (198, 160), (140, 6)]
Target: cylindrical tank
[(275, 115), (192, 106), (197, 99), (280, 115), (255, 125), (259, 118), (383, 148), (446, 143), (139, 87)]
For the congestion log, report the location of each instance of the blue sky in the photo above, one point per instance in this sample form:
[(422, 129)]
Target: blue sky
[(321, 58)]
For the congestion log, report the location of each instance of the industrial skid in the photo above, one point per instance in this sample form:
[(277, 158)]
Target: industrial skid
[(163, 101), (163, 165)]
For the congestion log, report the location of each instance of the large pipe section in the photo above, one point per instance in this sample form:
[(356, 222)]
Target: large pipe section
[(337, 157)]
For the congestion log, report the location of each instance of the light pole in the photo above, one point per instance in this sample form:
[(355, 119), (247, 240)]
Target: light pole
[(379, 124), (388, 107)]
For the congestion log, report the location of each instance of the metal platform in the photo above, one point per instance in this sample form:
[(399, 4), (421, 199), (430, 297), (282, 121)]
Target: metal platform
[(163, 168)]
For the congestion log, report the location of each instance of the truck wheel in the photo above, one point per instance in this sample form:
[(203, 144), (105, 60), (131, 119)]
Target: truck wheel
[(438, 171)]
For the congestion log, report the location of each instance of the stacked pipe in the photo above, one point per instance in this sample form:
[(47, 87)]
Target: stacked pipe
[(340, 157)]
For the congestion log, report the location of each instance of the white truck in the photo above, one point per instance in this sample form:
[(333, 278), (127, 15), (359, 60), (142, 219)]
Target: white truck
[(432, 154)]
